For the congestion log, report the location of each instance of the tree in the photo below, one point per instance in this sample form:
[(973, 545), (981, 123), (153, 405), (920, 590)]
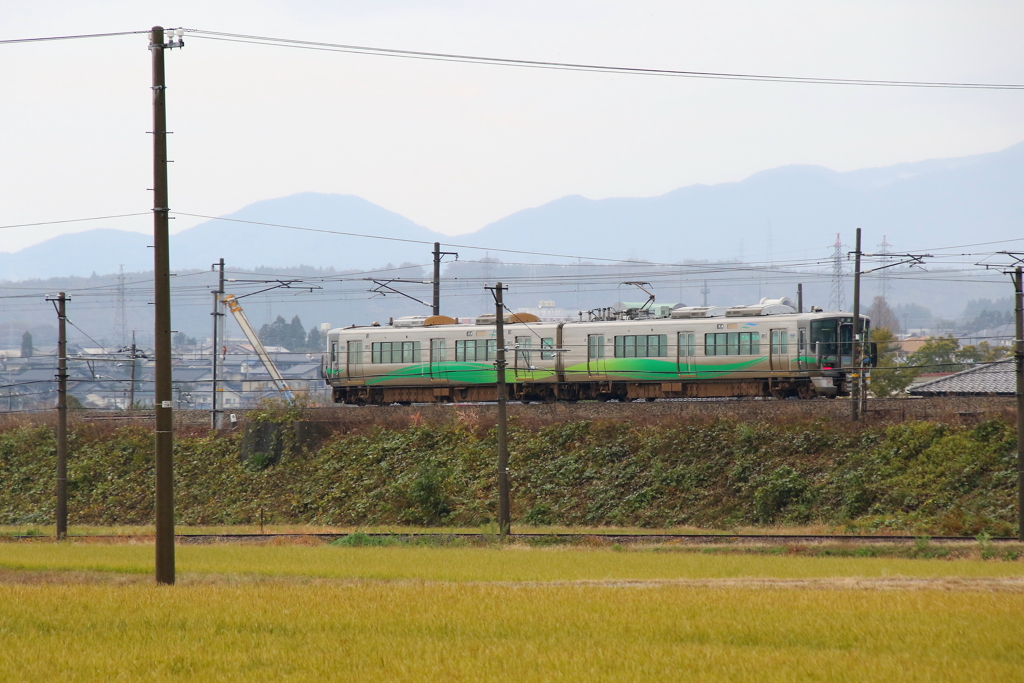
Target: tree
[(315, 340), (27, 349), (882, 316), (982, 353), (291, 335), (888, 378), (180, 339), (938, 354)]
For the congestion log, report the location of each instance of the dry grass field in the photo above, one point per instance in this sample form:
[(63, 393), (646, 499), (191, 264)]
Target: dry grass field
[(87, 611)]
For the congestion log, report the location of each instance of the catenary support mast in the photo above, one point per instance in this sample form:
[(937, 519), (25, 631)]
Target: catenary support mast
[(855, 364), (218, 316)]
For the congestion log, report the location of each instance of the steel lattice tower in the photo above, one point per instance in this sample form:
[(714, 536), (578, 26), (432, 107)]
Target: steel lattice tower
[(838, 298), (883, 274), (121, 314)]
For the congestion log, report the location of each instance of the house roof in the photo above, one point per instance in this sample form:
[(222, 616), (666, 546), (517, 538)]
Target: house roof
[(989, 379)]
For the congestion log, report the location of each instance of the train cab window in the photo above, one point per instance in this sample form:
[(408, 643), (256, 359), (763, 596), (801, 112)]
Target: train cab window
[(547, 343), (641, 346), (334, 353), (395, 352)]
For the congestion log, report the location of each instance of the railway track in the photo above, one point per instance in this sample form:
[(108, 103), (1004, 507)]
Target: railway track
[(577, 538)]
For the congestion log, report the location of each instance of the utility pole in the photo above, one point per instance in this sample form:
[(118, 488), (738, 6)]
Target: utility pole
[(62, 416), (1018, 286), (163, 398), (218, 316), (854, 355), (437, 275), (799, 297), (1015, 272), (131, 383), (504, 512)]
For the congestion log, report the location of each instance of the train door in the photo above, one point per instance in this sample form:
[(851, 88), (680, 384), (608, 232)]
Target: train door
[(522, 361), (333, 362), (802, 359), (595, 355), (354, 362), (779, 356), (687, 351), (438, 358)]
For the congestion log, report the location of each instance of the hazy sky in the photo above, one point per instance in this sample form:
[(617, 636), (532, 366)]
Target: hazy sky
[(455, 146)]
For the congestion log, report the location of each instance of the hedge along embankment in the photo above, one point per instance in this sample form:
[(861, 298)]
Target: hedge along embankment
[(919, 477)]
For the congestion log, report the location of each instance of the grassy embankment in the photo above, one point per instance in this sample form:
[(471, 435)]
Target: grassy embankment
[(917, 477)]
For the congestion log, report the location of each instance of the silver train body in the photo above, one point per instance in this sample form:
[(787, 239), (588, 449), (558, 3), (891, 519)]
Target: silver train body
[(806, 355)]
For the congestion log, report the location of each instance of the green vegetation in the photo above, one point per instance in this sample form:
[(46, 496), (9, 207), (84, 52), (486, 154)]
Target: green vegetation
[(292, 336), (917, 477), (939, 354)]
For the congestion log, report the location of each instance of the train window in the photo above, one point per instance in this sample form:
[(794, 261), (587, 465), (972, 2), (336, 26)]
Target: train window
[(547, 343), (732, 344), (523, 354), (465, 350), (470, 350), (354, 352), (687, 344), (750, 343), (780, 342), (334, 352), (595, 345), (438, 350), (641, 345), (395, 352)]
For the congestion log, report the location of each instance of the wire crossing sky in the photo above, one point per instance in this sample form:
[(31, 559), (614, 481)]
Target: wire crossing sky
[(430, 135)]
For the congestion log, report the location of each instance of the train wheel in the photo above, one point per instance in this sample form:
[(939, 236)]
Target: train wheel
[(806, 391)]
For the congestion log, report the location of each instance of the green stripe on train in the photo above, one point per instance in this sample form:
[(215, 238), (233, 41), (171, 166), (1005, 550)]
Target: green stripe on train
[(620, 368)]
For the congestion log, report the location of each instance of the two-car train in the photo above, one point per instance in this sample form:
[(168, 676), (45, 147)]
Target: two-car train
[(763, 350)]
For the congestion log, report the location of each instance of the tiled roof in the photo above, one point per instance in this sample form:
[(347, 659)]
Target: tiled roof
[(989, 379)]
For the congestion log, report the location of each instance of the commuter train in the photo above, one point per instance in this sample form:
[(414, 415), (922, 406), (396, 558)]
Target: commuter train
[(767, 349)]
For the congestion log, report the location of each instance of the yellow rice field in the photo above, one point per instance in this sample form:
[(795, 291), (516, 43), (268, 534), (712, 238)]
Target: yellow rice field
[(89, 612)]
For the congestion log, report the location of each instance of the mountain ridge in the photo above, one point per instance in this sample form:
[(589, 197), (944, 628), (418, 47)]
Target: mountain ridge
[(788, 209)]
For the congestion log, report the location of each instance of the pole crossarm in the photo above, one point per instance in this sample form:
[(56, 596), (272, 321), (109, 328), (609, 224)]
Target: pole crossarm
[(911, 260), (383, 288)]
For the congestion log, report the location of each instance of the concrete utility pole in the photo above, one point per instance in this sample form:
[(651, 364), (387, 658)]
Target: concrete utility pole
[(855, 363), (1018, 286), (62, 416), (218, 316), (799, 297), (437, 275), (163, 392), (504, 507)]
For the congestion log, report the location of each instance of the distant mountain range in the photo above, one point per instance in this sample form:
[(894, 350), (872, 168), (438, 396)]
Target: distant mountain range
[(782, 214)]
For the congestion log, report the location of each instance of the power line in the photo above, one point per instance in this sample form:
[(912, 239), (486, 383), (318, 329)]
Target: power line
[(75, 220), (75, 37), (595, 68)]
